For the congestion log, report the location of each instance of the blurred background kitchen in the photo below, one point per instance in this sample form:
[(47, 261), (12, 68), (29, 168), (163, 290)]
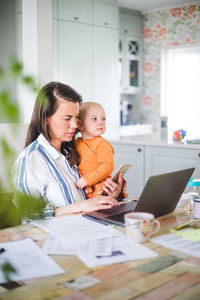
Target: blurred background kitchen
[(139, 58)]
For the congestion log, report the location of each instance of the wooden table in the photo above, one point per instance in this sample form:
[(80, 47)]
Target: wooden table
[(171, 275)]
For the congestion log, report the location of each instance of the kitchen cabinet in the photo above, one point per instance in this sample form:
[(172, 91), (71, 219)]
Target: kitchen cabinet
[(105, 14), (130, 64), (85, 56), (130, 53), (105, 82), (134, 154), (73, 10), (160, 160), (149, 160), (73, 48), (130, 22)]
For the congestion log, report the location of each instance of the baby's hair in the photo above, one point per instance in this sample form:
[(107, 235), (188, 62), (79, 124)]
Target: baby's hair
[(84, 107)]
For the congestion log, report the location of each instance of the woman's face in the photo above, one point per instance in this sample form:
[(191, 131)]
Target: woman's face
[(63, 123)]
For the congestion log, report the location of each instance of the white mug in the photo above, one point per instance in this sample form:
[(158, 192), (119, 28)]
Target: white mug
[(140, 226)]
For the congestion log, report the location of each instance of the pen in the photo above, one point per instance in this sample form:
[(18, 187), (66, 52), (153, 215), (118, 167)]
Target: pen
[(2, 250)]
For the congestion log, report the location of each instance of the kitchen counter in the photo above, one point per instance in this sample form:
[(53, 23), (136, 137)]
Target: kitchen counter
[(150, 140)]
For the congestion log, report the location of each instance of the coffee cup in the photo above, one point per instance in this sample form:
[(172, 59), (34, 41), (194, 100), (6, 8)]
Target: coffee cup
[(140, 226)]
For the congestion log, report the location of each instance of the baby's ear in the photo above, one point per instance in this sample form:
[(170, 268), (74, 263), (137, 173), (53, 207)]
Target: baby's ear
[(80, 125)]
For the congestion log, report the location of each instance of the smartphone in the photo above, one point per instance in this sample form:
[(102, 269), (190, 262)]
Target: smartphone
[(122, 169)]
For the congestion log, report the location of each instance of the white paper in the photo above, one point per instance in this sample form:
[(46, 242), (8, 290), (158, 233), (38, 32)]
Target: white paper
[(28, 259), (94, 243), (55, 245), (101, 247), (177, 243), (123, 249), (75, 228)]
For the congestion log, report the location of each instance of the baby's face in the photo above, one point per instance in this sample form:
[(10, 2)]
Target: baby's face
[(94, 122)]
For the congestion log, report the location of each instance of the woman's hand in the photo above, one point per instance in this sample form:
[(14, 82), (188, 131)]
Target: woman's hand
[(97, 203), (88, 205), (113, 189)]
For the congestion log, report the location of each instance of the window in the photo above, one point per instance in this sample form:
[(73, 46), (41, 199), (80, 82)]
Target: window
[(180, 90)]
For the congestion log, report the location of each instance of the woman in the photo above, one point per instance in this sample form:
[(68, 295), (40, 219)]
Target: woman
[(47, 167)]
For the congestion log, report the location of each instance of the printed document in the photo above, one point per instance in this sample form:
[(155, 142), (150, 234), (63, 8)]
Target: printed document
[(75, 228), (28, 259), (123, 249), (178, 243), (109, 250)]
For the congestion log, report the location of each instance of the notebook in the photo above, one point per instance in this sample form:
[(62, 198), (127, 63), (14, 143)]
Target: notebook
[(159, 197)]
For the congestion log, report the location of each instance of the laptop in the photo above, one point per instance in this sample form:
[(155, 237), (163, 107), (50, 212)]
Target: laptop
[(159, 197)]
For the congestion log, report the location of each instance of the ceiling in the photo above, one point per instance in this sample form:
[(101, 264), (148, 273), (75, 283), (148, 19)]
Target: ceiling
[(148, 5)]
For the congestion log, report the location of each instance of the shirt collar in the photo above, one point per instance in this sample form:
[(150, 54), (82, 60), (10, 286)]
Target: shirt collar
[(48, 147)]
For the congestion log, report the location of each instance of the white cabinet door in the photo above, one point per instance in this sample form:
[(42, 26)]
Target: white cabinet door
[(73, 56), (86, 56), (105, 14), (105, 73), (135, 175), (130, 55), (130, 24), (74, 10), (160, 160)]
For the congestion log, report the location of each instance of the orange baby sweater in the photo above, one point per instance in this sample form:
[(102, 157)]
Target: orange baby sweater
[(97, 159)]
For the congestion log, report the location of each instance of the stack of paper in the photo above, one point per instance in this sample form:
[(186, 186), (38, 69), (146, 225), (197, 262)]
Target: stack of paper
[(94, 243)]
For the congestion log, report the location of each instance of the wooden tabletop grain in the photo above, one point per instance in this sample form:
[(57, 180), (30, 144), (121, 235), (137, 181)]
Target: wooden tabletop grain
[(170, 275)]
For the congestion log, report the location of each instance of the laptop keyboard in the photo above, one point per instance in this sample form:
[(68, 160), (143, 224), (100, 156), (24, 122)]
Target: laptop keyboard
[(119, 218)]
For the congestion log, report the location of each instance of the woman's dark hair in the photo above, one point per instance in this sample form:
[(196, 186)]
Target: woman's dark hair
[(45, 106)]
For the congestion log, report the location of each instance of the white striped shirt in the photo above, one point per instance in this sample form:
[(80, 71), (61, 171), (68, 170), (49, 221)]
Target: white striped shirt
[(42, 171)]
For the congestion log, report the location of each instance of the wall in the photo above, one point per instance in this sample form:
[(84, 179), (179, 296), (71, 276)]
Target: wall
[(8, 41), (15, 135), (164, 29)]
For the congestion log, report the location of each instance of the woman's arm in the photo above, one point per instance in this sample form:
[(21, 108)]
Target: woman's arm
[(86, 206), (102, 202)]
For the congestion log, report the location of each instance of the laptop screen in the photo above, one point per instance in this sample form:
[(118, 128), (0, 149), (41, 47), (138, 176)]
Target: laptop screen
[(159, 197)]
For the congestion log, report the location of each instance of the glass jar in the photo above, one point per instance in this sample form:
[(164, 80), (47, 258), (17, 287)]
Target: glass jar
[(196, 207), (193, 189)]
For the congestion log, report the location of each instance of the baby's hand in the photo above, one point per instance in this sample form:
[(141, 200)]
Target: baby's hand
[(81, 183)]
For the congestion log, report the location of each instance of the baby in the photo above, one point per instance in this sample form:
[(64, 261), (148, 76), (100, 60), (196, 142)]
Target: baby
[(96, 153)]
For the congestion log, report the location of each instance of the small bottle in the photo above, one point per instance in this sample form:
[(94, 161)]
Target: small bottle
[(196, 186), (164, 128), (192, 189)]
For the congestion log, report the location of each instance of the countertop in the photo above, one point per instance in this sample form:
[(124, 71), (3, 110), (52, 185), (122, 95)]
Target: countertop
[(150, 140)]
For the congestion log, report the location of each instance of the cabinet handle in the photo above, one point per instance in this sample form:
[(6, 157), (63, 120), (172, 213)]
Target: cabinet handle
[(125, 31), (199, 154), (75, 18), (139, 150), (106, 23)]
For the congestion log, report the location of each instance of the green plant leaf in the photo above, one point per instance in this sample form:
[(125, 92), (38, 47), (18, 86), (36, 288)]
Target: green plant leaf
[(16, 67), (9, 109), (8, 270)]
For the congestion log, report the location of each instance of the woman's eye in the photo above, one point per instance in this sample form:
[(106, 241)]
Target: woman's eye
[(94, 119), (103, 119)]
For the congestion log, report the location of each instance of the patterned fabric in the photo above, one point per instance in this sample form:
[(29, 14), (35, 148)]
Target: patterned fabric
[(97, 190), (42, 171)]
